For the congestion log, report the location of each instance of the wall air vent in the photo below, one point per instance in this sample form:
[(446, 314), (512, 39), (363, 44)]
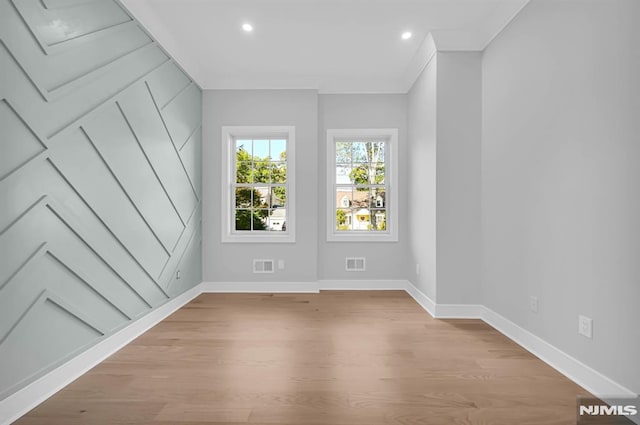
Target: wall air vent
[(263, 266), (355, 264)]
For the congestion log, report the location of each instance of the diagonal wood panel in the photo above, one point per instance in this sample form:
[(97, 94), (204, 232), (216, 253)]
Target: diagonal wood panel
[(138, 107), (183, 114), (167, 83), (111, 134), (85, 169), (52, 26), (98, 207), (77, 99), (18, 144), (57, 332), (61, 266), (191, 159), (53, 4)]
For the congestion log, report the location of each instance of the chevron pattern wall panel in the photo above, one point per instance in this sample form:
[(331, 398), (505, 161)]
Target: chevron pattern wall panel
[(100, 142)]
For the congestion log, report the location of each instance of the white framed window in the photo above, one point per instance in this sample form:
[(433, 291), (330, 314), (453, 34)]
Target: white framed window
[(362, 178), (258, 177)]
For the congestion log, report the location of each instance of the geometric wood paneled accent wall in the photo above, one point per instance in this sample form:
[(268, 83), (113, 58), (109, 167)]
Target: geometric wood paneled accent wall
[(100, 187)]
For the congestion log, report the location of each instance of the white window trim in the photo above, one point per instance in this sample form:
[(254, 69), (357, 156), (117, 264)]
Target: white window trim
[(391, 201), (229, 133)]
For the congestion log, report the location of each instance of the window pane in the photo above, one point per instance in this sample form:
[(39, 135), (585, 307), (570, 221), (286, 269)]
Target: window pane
[(343, 172), (359, 152), (244, 172), (278, 150), (278, 172), (343, 152), (343, 219), (260, 149), (377, 152), (362, 219), (261, 197), (243, 150), (378, 198), (243, 197), (378, 220), (243, 219), (360, 174), (278, 197), (378, 172), (277, 220), (361, 197), (261, 171), (260, 218), (344, 197)]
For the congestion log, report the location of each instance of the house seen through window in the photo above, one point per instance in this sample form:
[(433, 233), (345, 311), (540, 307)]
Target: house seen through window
[(360, 176)]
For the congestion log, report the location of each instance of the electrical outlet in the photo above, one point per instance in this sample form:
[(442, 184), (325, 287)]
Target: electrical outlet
[(585, 326), (280, 264), (178, 275), (533, 304), (417, 269)]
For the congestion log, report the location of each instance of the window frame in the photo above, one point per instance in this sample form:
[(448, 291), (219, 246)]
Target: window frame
[(389, 135), (229, 135)]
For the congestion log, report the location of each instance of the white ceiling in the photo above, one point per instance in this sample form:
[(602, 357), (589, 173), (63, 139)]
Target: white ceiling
[(335, 46)]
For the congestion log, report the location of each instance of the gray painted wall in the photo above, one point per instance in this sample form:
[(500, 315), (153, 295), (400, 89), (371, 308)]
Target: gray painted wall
[(385, 260), (458, 135), (311, 257), (560, 178), (422, 179), (99, 180), (444, 164), (229, 262)]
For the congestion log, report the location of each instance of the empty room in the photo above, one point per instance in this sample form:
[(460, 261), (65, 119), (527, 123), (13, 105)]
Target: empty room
[(319, 212)]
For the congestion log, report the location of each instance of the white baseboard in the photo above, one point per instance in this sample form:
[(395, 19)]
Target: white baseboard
[(259, 287), (459, 311), (362, 285), (27, 398), (421, 298), (303, 287), (21, 402), (583, 375)]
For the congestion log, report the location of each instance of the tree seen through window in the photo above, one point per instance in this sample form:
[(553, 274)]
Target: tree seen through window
[(360, 179), (260, 184)]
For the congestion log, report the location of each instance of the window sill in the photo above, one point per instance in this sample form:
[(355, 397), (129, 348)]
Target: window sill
[(235, 238), (350, 237)]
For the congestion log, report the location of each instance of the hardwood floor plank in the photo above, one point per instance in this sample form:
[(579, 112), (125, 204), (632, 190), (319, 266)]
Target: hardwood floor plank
[(201, 412), (333, 358)]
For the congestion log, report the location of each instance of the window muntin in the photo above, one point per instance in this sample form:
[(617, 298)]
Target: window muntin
[(258, 184), (360, 176), (360, 180)]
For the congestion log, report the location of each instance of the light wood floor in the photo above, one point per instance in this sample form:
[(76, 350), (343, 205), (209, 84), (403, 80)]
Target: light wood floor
[(334, 358)]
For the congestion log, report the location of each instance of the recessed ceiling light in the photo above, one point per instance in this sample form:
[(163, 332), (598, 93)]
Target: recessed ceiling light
[(406, 35), (247, 27)]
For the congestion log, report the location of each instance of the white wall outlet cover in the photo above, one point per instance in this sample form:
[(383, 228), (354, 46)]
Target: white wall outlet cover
[(280, 264), (533, 304), (585, 326)]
